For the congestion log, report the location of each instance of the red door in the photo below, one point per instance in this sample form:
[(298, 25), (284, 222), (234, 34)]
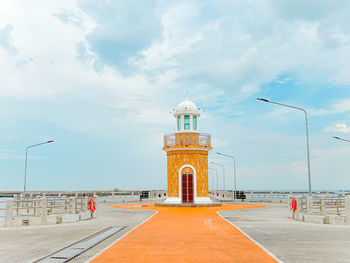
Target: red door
[(187, 188)]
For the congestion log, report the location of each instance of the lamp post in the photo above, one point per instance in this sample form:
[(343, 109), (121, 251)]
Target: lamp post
[(234, 171), (341, 139), (223, 172), (217, 178), (26, 162), (307, 136)]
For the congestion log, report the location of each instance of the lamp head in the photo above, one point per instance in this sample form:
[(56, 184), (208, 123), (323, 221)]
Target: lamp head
[(261, 99), (49, 141)]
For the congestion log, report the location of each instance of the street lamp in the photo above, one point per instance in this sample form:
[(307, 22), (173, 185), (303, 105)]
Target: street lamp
[(234, 171), (307, 136), (217, 178), (212, 182), (26, 161), (223, 172), (341, 139)]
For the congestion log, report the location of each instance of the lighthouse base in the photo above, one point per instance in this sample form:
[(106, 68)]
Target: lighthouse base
[(187, 205), (197, 200)]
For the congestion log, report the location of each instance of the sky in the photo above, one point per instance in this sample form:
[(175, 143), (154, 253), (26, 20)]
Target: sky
[(100, 78)]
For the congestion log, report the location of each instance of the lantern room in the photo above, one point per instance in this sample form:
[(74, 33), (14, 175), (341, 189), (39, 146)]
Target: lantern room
[(186, 115)]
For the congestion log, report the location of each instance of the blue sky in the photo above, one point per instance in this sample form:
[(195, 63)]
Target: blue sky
[(101, 77)]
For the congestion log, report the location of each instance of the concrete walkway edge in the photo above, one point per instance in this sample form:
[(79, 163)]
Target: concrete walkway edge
[(254, 241), (132, 229)]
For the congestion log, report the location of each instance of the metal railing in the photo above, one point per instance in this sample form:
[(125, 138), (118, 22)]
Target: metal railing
[(185, 139)]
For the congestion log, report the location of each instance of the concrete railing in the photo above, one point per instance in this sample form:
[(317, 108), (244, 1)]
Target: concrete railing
[(184, 139), (154, 195), (44, 210), (323, 209), (267, 196)]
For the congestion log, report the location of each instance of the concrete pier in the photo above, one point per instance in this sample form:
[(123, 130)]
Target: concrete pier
[(289, 240)]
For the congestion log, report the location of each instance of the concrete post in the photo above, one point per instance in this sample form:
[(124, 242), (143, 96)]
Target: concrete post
[(309, 205), (347, 207), (322, 205), (43, 210), (86, 203), (271, 196), (74, 205), (113, 197), (299, 204), (251, 194), (9, 211), (289, 199)]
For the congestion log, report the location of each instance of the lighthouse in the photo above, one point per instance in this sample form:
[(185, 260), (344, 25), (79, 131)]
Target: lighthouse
[(187, 158)]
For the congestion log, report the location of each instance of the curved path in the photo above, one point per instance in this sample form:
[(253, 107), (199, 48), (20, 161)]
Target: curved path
[(185, 234)]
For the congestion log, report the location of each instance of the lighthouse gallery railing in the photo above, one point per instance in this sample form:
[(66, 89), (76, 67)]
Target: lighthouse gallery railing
[(202, 139)]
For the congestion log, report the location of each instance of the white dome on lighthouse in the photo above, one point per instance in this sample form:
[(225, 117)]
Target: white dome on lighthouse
[(187, 107), (187, 114)]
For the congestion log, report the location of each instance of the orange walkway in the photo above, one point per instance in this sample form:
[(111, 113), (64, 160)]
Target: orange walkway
[(185, 234)]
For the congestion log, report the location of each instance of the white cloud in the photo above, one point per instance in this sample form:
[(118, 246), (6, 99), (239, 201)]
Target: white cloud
[(337, 106), (338, 127)]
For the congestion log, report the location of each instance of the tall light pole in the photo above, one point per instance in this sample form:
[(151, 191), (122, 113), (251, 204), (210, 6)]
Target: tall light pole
[(341, 139), (26, 162), (307, 136), (234, 171), (217, 178), (223, 171)]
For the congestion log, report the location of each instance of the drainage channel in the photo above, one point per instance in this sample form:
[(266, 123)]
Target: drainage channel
[(74, 250)]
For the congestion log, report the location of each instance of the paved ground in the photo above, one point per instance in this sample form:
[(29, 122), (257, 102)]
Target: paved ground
[(26, 244), (293, 241), (289, 240), (186, 234)]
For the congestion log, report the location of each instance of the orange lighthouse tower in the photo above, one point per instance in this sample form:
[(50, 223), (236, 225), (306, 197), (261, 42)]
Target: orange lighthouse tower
[(187, 156)]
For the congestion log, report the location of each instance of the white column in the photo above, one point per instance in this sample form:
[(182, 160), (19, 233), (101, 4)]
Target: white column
[(191, 122)]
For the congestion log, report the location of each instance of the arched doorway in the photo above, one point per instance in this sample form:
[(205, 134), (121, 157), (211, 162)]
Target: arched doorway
[(187, 185)]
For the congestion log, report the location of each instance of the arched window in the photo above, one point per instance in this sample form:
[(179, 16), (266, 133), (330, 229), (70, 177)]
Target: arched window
[(178, 123)]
